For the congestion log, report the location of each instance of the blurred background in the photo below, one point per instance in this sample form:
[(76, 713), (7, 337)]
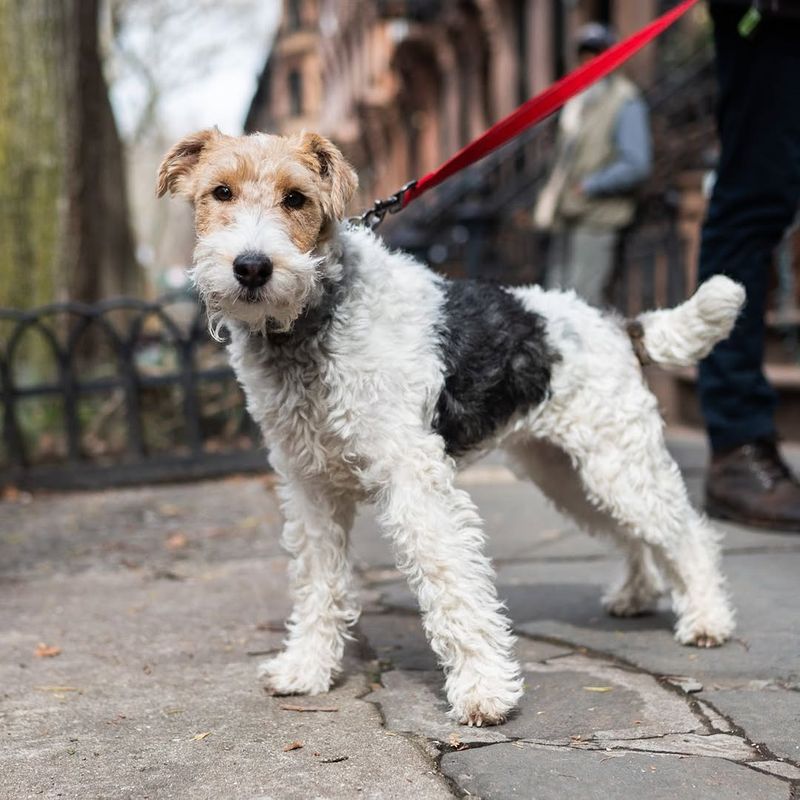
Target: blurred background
[(107, 374)]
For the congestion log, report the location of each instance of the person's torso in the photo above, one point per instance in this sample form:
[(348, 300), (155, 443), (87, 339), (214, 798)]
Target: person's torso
[(591, 147)]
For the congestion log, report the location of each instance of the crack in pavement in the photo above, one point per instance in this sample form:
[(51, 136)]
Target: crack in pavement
[(723, 737)]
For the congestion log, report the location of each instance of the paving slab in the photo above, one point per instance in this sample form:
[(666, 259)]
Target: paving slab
[(568, 697), (154, 694), (545, 600), (770, 715), (515, 770), (151, 526)]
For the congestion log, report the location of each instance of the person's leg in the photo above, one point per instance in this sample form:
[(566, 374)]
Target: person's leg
[(754, 200), (592, 263)]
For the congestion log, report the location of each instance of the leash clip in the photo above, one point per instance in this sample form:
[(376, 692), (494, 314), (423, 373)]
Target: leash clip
[(373, 217)]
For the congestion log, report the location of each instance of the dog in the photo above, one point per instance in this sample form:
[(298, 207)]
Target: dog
[(373, 378)]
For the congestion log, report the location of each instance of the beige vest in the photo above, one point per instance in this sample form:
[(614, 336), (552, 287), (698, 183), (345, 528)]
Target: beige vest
[(588, 149)]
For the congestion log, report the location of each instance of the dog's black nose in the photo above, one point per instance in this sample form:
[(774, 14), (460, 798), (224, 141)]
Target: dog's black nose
[(252, 269)]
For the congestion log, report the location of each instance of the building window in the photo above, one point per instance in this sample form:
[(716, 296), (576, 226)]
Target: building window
[(295, 93), (294, 19)]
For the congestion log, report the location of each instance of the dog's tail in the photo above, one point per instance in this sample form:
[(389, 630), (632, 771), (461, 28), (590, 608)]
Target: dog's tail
[(681, 336)]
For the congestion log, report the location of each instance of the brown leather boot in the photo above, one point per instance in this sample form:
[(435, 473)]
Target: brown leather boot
[(752, 485)]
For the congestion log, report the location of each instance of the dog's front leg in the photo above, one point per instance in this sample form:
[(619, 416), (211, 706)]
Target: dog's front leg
[(438, 542), (315, 535)]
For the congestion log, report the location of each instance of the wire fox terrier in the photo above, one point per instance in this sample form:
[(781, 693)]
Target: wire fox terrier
[(372, 377)]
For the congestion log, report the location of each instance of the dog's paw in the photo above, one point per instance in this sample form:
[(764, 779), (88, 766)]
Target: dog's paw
[(286, 674), (483, 702), (482, 711), (708, 630), (627, 603), (703, 638)]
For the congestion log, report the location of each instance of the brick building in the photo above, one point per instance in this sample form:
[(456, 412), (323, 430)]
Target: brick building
[(402, 84)]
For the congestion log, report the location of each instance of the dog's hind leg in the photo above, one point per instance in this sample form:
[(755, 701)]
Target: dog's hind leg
[(549, 467), (315, 535), (640, 587), (618, 447), (438, 541)]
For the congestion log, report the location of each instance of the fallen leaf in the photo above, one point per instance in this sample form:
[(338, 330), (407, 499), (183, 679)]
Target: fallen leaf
[(169, 510), (334, 760), (10, 494), (322, 709), (177, 541), (47, 650), (599, 689), (198, 736), (454, 740), (292, 746), (57, 688)]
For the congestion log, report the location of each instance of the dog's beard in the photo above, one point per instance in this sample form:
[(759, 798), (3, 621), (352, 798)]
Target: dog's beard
[(272, 307)]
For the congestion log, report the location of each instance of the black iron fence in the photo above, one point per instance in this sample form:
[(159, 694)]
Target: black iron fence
[(125, 391)]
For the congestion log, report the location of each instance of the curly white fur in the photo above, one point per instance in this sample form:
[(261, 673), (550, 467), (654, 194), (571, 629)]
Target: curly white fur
[(680, 337), (340, 350), (354, 422)]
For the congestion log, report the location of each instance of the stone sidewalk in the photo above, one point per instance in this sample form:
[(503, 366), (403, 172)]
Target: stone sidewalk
[(160, 601)]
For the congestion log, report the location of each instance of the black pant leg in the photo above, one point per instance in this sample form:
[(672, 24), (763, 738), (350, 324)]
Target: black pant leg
[(754, 201)]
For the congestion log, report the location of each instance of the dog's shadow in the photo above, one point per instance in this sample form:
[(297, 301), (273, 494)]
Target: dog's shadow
[(577, 605)]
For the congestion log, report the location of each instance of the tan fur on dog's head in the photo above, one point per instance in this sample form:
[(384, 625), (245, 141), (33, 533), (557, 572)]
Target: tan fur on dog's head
[(276, 196), (209, 157)]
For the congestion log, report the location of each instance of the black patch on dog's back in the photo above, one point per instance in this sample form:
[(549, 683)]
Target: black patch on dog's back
[(496, 361)]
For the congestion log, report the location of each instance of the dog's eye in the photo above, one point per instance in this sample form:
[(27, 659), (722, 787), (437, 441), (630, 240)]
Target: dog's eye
[(294, 200), (223, 193)]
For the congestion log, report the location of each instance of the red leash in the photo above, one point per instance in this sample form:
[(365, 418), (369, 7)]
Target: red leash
[(529, 113)]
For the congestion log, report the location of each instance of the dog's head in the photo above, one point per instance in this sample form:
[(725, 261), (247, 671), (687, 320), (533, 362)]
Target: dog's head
[(264, 207)]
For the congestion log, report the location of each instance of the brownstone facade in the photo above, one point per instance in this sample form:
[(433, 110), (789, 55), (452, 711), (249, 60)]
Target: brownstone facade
[(400, 85)]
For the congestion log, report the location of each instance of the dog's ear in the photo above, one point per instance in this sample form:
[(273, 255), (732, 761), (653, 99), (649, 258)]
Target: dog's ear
[(182, 159), (338, 177)]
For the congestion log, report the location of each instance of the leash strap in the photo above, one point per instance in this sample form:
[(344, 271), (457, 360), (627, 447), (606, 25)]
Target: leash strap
[(529, 113)]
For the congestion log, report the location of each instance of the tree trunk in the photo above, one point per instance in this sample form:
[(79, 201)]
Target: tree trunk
[(64, 228), (31, 154), (97, 255)]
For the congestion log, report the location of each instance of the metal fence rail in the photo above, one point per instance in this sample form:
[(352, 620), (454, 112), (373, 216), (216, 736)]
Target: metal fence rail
[(83, 387)]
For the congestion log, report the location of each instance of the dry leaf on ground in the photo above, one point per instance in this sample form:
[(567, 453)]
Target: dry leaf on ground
[(322, 709), (292, 746), (10, 494), (598, 689), (170, 510), (47, 650), (177, 541), (198, 736), (454, 740)]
